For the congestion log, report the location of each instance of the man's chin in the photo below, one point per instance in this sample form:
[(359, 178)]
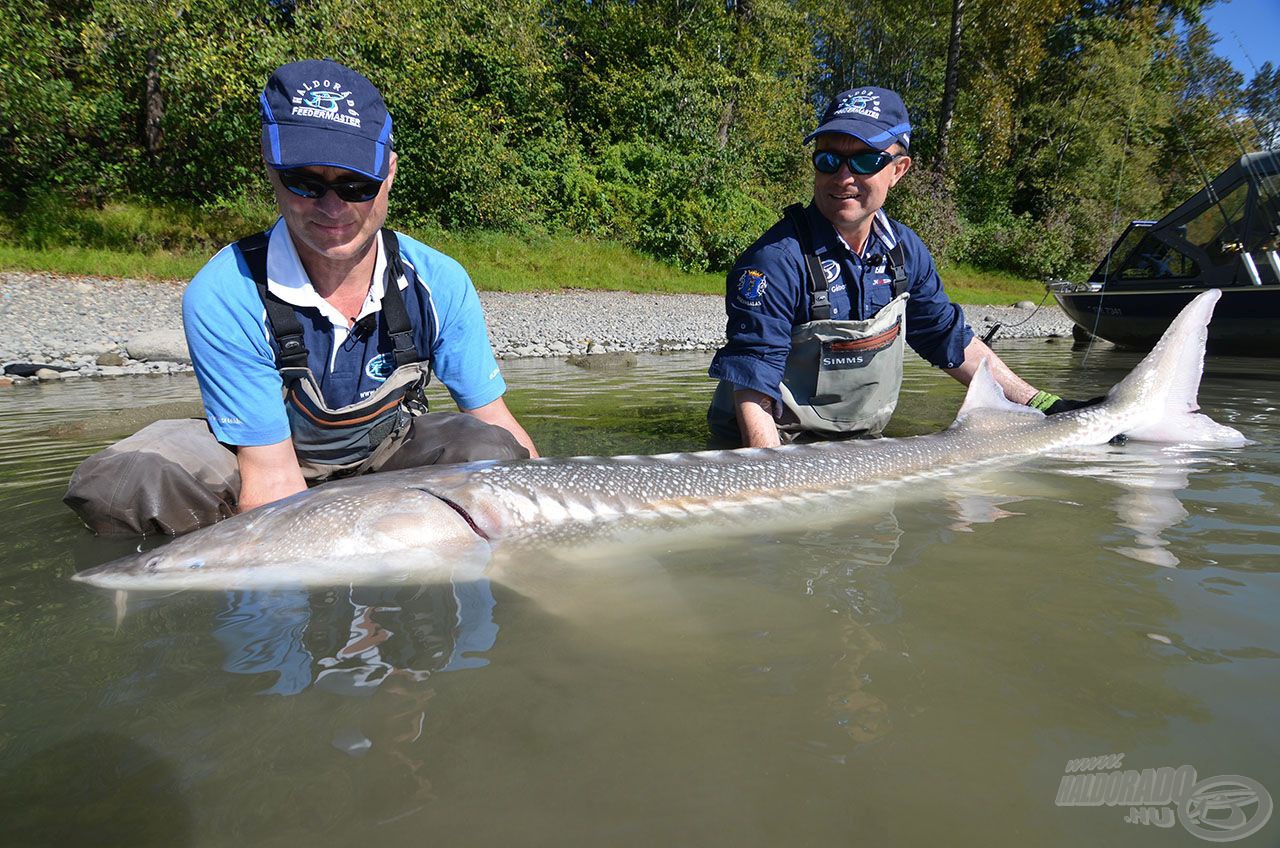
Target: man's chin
[(337, 246)]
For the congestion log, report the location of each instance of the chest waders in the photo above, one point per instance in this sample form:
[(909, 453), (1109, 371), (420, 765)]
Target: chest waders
[(334, 441), (842, 377)]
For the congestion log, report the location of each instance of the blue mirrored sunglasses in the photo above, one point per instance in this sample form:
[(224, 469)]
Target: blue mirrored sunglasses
[(308, 185), (864, 162)]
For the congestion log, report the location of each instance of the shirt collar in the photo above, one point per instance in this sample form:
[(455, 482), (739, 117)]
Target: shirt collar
[(287, 278), (881, 231)]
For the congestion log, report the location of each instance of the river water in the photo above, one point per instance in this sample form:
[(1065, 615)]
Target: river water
[(915, 669)]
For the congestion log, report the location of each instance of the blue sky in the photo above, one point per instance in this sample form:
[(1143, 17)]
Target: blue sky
[(1256, 24)]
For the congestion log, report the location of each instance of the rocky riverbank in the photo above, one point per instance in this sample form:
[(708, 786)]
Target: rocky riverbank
[(62, 328)]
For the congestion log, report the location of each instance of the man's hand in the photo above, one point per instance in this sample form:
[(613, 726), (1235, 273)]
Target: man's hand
[(268, 473), (1051, 404)]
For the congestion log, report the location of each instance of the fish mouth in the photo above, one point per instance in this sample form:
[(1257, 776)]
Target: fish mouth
[(110, 575)]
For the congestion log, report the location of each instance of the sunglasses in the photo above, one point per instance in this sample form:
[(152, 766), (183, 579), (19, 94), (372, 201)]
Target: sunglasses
[(312, 187), (864, 162)]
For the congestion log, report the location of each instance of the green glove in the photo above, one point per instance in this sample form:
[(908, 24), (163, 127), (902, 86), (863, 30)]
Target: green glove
[(1051, 404)]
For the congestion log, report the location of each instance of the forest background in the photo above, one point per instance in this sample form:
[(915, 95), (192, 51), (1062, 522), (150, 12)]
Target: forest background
[(671, 127)]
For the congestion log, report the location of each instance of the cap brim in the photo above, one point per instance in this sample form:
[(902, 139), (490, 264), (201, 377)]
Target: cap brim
[(869, 134), (287, 145)]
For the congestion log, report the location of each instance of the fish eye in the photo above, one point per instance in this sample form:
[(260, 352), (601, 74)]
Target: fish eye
[(153, 565), (195, 564)]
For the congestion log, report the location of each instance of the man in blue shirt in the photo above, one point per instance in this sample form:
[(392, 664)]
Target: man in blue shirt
[(819, 306), (312, 342)]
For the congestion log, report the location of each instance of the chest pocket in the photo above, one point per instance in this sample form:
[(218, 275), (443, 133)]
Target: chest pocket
[(843, 377), (880, 289)]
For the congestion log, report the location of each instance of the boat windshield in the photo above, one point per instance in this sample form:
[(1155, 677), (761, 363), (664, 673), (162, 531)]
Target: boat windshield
[(1147, 257), (1219, 230), (1144, 254)]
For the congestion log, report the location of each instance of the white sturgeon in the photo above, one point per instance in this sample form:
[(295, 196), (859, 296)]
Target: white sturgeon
[(424, 525)]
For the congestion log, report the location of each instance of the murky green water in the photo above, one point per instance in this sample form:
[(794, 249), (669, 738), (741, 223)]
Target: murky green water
[(917, 669)]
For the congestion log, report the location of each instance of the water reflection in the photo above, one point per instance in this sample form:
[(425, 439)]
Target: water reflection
[(1150, 479), (913, 665), (360, 642)]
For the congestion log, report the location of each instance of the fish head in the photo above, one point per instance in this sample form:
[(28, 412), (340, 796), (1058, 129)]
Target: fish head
[(331, 535)]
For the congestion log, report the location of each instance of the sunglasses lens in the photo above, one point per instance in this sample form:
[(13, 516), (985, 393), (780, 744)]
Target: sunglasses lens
[(869, 162), (312, 188), (826, 161), (361, 191), (303, 185)]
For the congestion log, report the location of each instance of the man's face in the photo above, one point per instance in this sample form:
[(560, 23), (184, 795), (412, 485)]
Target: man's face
[(329, 228), (849, 200)]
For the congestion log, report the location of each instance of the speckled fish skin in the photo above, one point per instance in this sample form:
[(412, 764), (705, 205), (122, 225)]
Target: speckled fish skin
[(425, 524)]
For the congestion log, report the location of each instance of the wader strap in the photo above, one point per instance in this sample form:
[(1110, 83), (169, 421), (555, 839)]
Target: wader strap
[(819, 305), (393, 311), (898, 268), (284, 324)]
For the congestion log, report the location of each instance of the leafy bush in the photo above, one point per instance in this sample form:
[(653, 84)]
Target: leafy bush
[(922, 201), (1019, 244)]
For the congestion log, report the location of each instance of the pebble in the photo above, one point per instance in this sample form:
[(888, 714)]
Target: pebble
[(87, 324)]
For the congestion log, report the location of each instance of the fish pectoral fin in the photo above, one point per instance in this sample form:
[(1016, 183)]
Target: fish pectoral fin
[(985, 395)]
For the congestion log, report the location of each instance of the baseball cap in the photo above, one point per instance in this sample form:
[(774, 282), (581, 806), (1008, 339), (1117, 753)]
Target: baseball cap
[(876, 116), (318, 112)]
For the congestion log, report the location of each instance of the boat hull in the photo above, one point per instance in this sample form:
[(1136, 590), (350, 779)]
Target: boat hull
[(1246, 323)]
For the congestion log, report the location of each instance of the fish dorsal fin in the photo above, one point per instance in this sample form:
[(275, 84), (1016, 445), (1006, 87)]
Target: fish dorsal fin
[(985, 402)]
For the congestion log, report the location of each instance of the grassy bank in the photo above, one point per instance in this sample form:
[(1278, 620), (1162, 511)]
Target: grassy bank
[(172, 242)]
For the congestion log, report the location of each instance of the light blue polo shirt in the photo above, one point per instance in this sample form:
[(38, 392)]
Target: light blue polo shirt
[(234, 354)]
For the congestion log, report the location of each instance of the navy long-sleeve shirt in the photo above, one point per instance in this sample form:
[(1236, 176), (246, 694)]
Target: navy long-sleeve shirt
[(766, 296)]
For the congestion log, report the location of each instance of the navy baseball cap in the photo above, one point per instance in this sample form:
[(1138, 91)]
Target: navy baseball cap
[(876, 116), (318, 112)]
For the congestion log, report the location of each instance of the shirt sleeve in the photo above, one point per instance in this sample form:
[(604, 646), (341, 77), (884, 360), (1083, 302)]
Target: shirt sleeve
[(462, 357), (225, 325), (936, 328), (761, 302)]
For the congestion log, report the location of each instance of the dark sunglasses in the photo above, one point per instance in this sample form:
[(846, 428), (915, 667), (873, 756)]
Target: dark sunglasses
[(865, 162), (312, 187)]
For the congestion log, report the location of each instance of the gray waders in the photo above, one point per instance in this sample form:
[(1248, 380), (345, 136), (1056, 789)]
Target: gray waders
[(172, 477), (842, 377)]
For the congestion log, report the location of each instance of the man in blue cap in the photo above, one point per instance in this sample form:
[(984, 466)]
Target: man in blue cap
[(312, 342), (820, 305)]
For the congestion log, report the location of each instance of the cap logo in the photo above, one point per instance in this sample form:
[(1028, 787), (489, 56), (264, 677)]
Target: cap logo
[(323, 100), (862, 102)]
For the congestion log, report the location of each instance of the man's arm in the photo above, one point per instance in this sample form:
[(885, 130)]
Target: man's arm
[(755, 419), (1015, 388), (496, 413), (268, 473)]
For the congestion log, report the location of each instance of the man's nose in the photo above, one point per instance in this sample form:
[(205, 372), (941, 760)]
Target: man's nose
[(331, 204)]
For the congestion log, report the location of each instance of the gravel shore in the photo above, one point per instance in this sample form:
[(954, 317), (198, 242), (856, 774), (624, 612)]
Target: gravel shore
[(93, 327)]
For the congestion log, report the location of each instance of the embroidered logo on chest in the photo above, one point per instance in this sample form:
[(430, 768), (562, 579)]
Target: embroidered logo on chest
[(380, 367)]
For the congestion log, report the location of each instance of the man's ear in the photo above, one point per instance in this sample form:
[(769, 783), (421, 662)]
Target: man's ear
[(900, 167)]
